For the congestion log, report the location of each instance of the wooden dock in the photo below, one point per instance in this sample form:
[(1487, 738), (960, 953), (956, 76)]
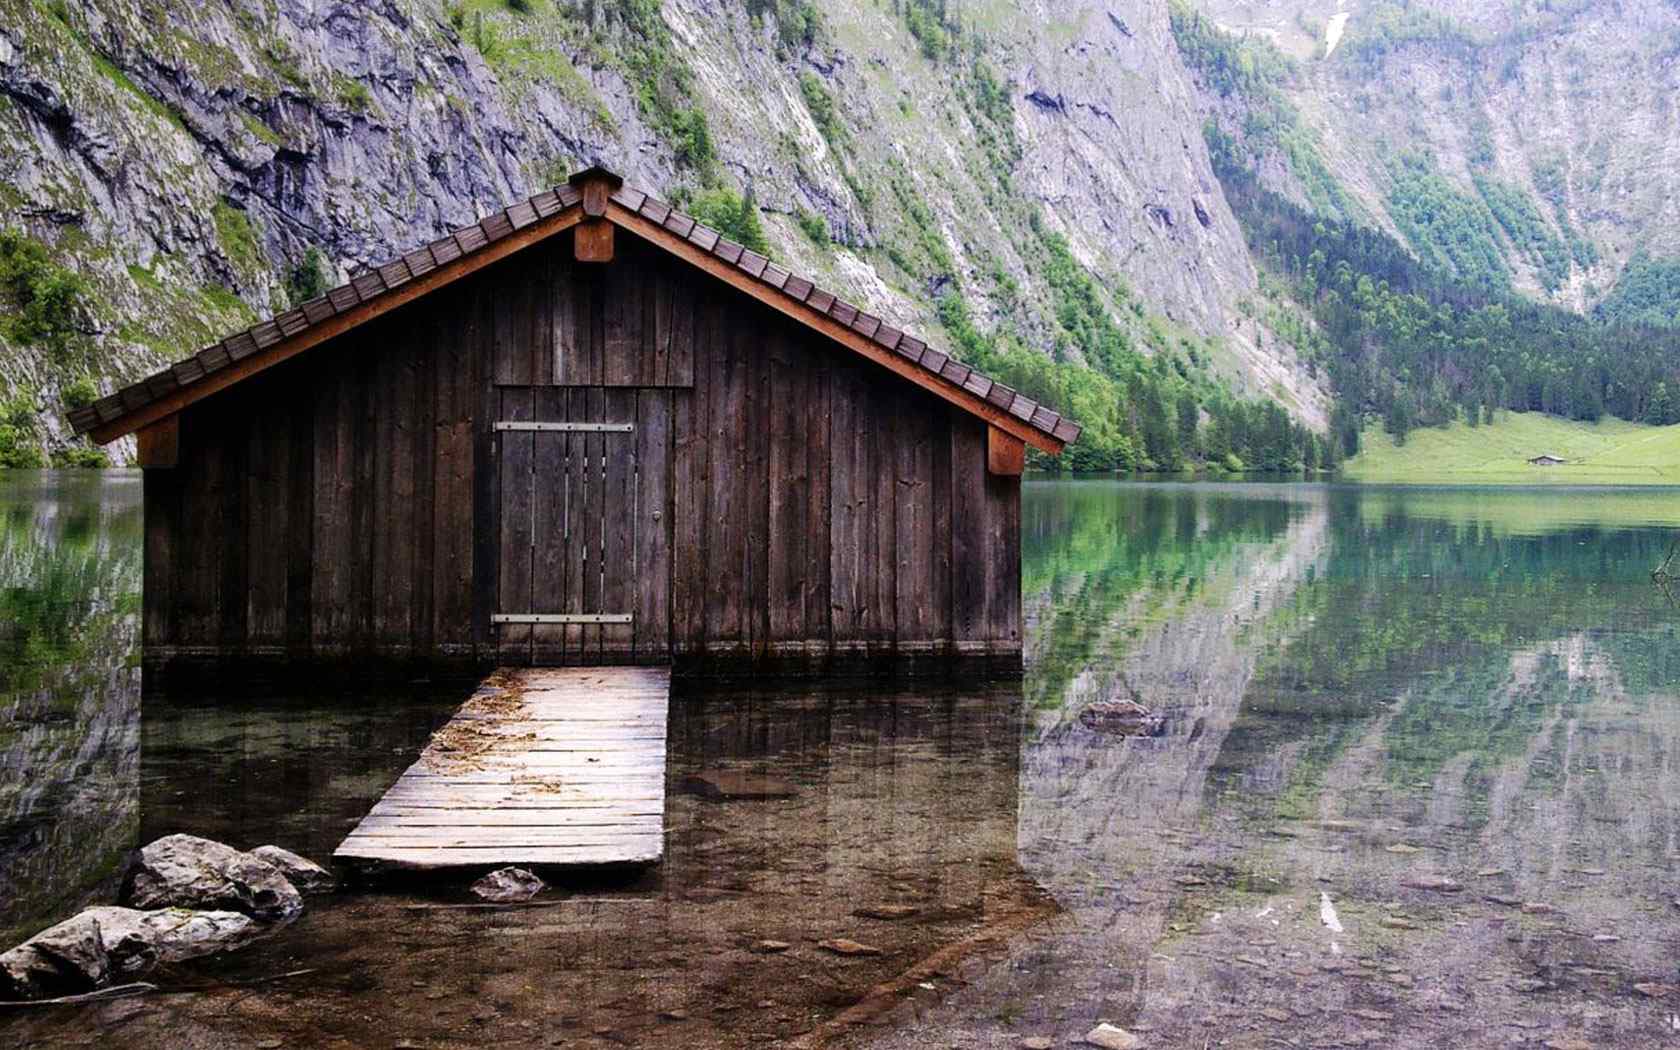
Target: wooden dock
[(543, 766)]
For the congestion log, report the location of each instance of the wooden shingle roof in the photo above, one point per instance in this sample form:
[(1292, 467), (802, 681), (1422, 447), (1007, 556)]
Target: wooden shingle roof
[(471, 247)]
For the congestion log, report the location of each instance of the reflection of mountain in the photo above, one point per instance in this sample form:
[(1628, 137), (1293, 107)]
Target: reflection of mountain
[(1191, 657), (1184, 591), (69, 693), (1425, 714)]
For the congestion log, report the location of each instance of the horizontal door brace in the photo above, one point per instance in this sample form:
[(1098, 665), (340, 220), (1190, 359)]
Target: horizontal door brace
[(562, 618), (590, 428)]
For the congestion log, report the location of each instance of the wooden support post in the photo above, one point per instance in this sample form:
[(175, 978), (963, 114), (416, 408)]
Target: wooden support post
[(1006, 454), (160, 443), (593, 241)]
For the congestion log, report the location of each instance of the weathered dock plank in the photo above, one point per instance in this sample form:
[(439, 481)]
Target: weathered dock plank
[(548, 766)]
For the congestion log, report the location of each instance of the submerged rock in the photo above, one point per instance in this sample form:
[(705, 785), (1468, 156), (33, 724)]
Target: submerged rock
[(1434, 883), (60, 960), (1122, 718), (1111, 1037), (728, 785), (185, 871), (301, 872), (887, 912), (847, 946), (508, 886)]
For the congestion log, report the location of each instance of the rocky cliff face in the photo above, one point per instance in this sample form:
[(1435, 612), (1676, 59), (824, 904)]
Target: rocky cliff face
[(1545, 129), (186, 160)]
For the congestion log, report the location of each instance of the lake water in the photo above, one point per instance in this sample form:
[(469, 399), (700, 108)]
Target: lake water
[(1416, 787)]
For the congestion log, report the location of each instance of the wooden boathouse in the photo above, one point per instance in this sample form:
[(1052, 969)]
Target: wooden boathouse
[(583, 430)]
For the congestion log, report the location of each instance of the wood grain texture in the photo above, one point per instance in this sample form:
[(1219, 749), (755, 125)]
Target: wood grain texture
[(159, 445), (831, 328), (558, 783), (794, 509), (337, 326)]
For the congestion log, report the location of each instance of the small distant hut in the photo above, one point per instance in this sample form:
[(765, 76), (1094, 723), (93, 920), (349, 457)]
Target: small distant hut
[(585, 429), (1546, 459)]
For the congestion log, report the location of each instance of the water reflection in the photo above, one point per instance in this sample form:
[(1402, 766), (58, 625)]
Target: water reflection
[(1448, 714), (69, 691), (1413, 788), (887, 818)]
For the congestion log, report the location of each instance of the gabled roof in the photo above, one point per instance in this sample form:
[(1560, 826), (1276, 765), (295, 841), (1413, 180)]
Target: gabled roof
[(494, 237)]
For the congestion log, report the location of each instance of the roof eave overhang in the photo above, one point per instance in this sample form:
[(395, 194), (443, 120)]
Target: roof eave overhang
[(1000, 407), (355, 317), (849, 336)]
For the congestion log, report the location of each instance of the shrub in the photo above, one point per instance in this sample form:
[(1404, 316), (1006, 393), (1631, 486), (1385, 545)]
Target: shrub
[(82, 457), (814, 225), (821, 104), (308, 279), (46, 300), (19, 448), (733, 215), (80, 393)]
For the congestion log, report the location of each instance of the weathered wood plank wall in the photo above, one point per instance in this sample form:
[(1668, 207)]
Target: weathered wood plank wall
[(792, 507)]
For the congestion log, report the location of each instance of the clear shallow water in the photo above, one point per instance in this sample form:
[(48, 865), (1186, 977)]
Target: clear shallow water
[(1366, 691)]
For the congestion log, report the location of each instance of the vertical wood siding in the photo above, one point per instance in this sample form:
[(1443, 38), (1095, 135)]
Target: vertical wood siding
[(793, 508)]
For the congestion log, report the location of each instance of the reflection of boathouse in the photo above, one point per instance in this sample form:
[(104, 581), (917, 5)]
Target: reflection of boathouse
[(794, 817)]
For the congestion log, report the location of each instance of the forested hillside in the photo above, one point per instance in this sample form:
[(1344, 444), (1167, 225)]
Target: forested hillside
[(1414, 309)]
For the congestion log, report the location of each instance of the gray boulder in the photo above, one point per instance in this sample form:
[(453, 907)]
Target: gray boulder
[(60, 960), (185, 871), (508, 886), (105, 945), (305, 874), (135, 941)]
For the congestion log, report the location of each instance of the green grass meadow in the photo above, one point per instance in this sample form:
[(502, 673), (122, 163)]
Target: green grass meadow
[(1609, 452)]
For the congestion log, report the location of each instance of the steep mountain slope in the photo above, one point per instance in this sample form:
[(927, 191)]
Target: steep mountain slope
[(1532, 145), (187, 167)]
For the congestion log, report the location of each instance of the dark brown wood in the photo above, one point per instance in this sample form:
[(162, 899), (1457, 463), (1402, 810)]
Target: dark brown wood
[(160, 581), (159, 445), (788, 527), (619, 570), (343, 323), (267, 467), (596, 192), (594, 241), (969, 620), (755, 414), (1006, 454), (726, 489), (516, 466), (653, 527), (794, 509), (299, 549), (334, 544), (548, 534), (742, 281), (581, 498), (486, 503)]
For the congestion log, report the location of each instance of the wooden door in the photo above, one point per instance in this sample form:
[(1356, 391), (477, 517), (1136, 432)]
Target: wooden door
[(583, 517)]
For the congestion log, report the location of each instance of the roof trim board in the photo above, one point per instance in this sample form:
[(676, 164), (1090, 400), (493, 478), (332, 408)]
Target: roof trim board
[(851, 335), (495, 237)]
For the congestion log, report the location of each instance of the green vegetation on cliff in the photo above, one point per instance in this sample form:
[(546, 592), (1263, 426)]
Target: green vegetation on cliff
[(1428, 338)]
